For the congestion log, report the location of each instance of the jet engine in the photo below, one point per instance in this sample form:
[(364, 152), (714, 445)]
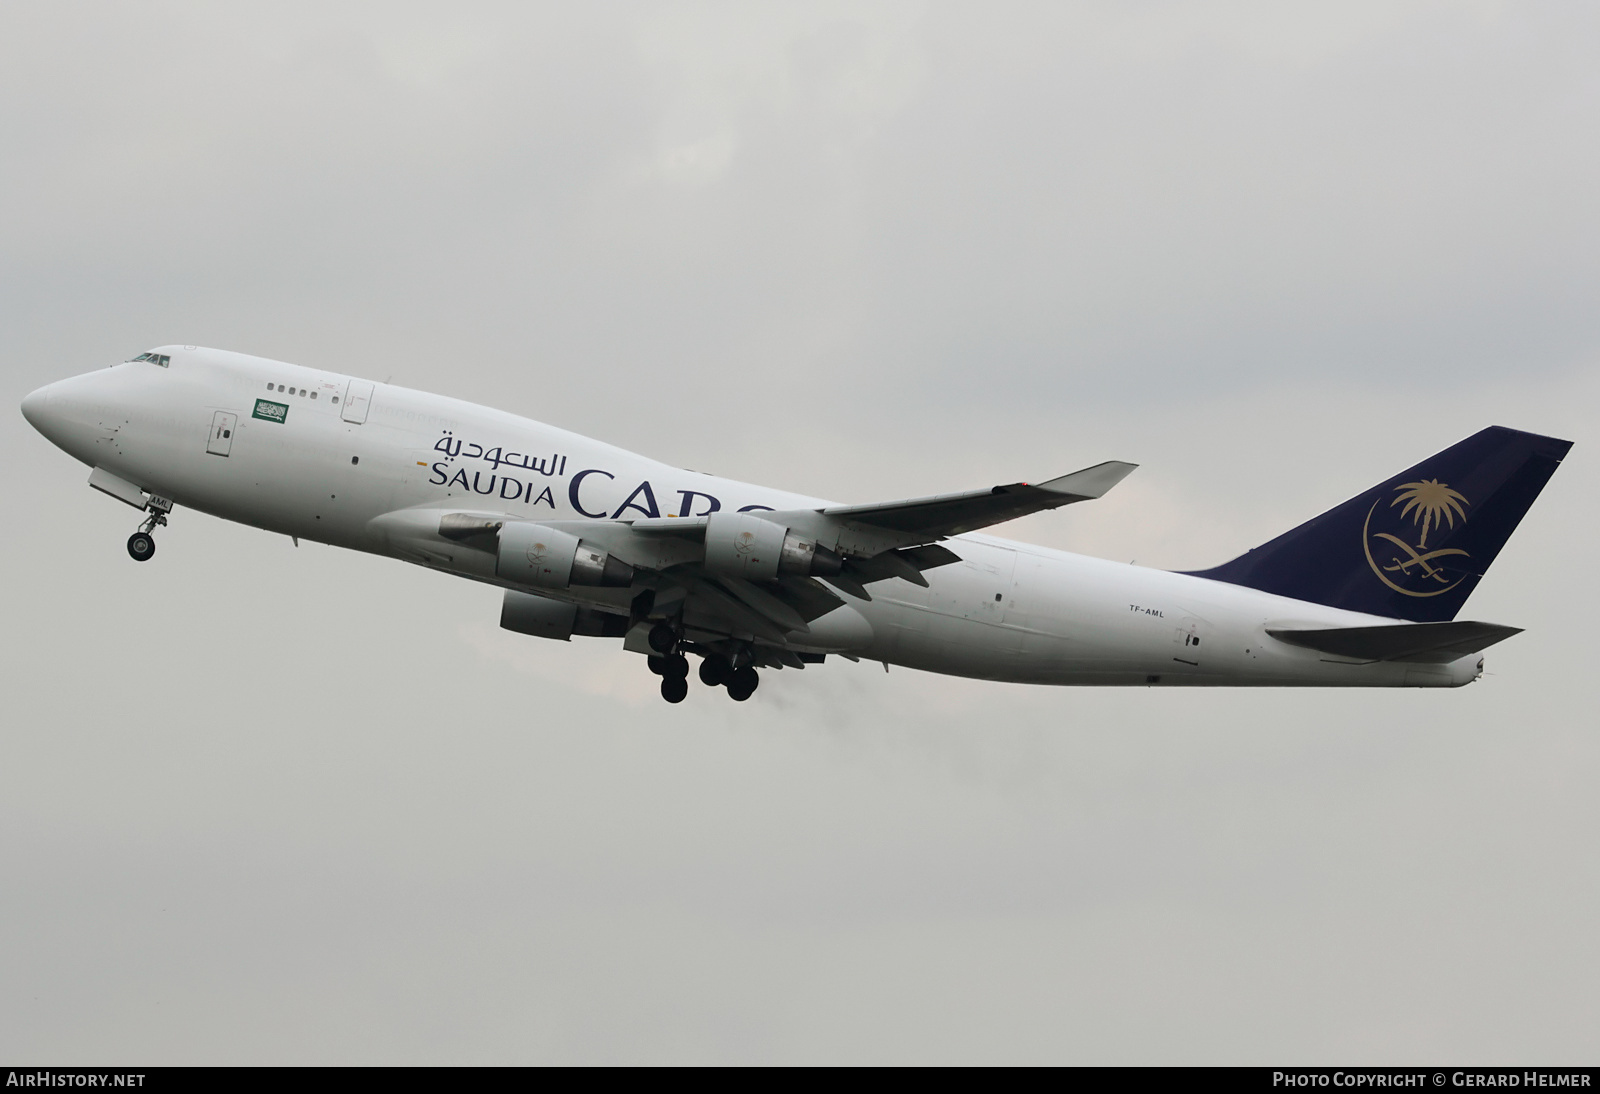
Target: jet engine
[(748, 546), (531, 554), (542, 617)]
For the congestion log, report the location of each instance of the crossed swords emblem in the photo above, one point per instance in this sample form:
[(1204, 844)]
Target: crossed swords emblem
[(1422, 561)]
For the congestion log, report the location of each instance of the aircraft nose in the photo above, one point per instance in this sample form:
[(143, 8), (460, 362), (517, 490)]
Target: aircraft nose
[(36, 408), (59, 411)]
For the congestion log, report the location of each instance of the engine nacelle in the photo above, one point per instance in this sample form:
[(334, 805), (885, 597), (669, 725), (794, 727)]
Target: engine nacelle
[(748, 546), (542, 617), (531, 554)]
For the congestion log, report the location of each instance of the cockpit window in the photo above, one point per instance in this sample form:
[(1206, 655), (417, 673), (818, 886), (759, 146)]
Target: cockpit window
[(161, 359)]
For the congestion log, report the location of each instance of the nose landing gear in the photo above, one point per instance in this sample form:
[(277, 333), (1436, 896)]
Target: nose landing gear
[(142, 544)]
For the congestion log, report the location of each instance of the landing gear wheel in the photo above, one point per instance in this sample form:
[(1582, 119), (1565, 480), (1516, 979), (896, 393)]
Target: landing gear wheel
[(662, 638), (142, 545), (742, 684), (674, 689), (714, 672), (675, 667)]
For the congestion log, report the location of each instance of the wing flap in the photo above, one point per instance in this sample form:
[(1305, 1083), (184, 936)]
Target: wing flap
[(710, 607), (765, 603)]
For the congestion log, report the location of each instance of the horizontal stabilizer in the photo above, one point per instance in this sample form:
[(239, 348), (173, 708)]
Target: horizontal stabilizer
[(1431, 643)]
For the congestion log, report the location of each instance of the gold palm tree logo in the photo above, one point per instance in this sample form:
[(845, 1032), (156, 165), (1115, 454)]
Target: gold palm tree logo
[(1431, 504)]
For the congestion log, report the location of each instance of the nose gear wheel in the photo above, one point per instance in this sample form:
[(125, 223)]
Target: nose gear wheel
[(142, 544)]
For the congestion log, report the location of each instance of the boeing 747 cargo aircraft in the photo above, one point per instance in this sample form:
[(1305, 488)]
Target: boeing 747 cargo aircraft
[(590, 540)]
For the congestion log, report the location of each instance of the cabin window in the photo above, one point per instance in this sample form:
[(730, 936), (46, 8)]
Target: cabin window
[(269, 385), (313, 395), (280, 387)]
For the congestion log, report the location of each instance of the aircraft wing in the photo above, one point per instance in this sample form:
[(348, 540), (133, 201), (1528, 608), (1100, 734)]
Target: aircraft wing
[(900, 538), (951, 514), (868, 530), (665, 557)]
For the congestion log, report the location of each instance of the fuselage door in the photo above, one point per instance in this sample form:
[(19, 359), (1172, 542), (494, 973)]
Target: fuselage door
[(220, 442), (357, 398)]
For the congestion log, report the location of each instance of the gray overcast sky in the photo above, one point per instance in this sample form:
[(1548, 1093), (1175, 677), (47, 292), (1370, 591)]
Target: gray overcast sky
[(260, 804)]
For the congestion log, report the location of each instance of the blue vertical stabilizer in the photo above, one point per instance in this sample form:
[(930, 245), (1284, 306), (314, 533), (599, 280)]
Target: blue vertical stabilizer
[(1413, 547)]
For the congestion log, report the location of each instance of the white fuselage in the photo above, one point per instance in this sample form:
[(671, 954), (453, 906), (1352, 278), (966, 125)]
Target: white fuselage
[(1007, 611)]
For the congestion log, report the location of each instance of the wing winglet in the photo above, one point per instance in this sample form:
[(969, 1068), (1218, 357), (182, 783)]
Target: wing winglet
[(1091, 482)]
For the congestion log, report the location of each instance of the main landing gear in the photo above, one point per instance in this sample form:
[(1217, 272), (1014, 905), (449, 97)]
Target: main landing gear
[(741, 682), (669, 663), (142, 544), (674, 672)]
